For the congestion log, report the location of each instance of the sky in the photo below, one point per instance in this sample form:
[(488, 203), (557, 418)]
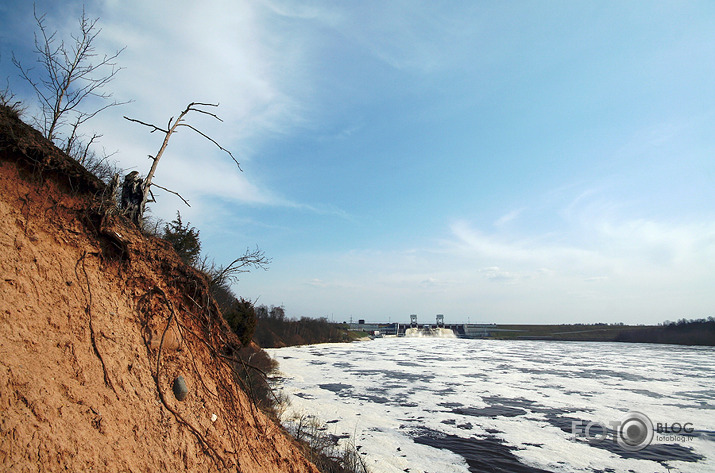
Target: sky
[(495, 162)]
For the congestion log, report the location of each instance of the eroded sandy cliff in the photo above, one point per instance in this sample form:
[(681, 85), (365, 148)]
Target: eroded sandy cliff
[(85, 381)]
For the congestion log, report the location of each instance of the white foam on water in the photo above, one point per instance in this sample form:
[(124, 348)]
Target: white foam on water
[(436, 332), (386, 391)]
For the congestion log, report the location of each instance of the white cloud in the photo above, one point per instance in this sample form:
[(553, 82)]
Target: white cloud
[(667, 246), (597, 268), (317, 283), (241, 55), (497, 275), (472, 243), (222, 180), (508, 217), (596, 279), (222, 52)]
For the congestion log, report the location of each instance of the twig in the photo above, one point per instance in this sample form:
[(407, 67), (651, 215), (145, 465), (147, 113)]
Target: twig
[(155, 128), (215, 353), (245, 364), (212, 140), (173, 192)]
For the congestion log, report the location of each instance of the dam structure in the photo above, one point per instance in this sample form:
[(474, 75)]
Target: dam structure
[(413, 329)]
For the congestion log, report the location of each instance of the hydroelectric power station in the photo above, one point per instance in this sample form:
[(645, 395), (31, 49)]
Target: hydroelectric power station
[(414, 329)]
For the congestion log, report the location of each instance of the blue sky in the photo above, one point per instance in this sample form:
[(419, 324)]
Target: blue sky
[(524, 162)]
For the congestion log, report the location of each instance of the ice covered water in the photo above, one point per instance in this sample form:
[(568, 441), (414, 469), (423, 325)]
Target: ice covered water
[(455, 405)]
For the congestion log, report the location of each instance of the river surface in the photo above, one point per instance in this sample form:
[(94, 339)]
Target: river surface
[(455, 405)]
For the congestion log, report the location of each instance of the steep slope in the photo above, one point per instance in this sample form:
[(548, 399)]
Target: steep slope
[(96, 322)]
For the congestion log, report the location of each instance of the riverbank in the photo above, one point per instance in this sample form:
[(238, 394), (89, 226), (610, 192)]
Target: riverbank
[(276, 332), (694, 332), (700, 332)]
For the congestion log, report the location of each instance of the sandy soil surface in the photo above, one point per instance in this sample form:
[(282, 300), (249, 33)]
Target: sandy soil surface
[(85, 380)]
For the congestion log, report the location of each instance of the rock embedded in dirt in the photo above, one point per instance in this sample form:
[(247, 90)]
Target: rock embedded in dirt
[(180, 389)]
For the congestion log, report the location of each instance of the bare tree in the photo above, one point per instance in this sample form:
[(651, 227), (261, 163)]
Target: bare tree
[(224, 275), (138, 190), (70, 74)]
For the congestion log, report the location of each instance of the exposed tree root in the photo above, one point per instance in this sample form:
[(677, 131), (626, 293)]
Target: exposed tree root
[(88, 311), (157, 374)]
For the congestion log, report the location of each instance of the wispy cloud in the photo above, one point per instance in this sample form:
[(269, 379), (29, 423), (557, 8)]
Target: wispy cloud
[(251, 57), (473, 243), (217, 52), (508, 217), (495, 274), (599, 267)]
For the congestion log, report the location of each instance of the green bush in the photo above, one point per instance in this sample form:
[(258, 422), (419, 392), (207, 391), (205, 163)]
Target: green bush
[(184, 239), (241, 316)]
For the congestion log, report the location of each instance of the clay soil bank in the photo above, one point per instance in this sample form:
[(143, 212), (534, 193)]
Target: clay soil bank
[(85, 381)]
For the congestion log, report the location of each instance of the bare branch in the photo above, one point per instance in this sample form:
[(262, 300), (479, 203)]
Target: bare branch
[(154, 127), (8, 99), (214, 142), (203, 104), (173, 192), (256, 259), (193, 105)]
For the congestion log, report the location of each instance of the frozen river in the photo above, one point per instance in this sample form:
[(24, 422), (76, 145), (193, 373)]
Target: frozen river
[(456, 405)]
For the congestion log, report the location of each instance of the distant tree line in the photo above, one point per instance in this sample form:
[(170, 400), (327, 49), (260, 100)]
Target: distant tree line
[(682, 332), (267, 326), (274, 329)]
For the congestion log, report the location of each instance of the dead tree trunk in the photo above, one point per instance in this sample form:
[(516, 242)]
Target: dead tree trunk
[(132, 201), (144, 186)]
